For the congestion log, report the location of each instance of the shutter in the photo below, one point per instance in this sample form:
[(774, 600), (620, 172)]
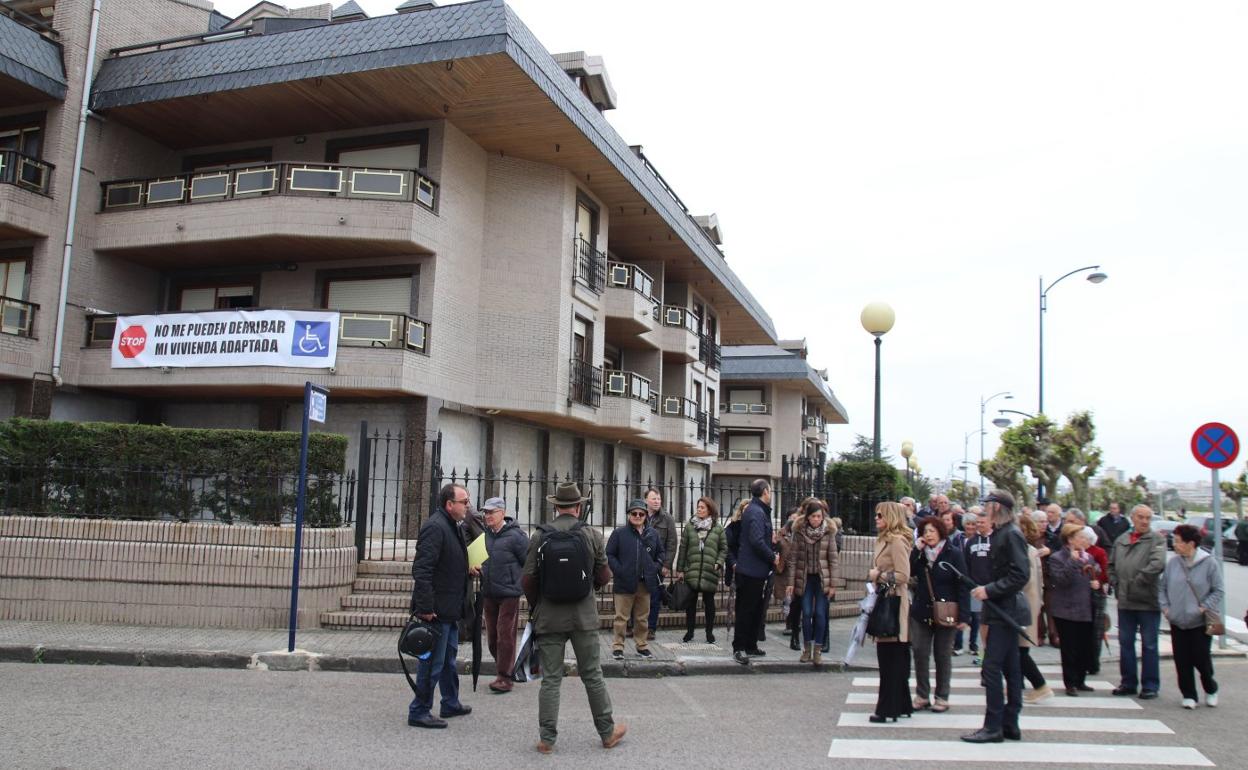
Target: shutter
[(377, 295), (399, 156)]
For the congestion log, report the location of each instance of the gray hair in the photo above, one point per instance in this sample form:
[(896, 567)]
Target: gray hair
[(1002, 516), (978, 510), (1089, 533), (908, 501), (969, 518), (1078, 513)]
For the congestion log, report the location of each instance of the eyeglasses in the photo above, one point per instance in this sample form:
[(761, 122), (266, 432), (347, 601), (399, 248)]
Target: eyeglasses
[(637, 513), (465, 501)]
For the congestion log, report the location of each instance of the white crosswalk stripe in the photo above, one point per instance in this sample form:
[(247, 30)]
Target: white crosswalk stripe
[(1112, 739)]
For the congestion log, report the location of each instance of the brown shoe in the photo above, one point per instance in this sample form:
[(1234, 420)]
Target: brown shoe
[(615, 737), (650, 635), (501, 685), (545, 748)]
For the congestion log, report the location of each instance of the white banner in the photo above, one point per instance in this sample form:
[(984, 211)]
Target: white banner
[(301, 338)]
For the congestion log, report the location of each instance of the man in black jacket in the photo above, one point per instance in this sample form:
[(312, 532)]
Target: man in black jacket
[(1010, 572), (439, 595)]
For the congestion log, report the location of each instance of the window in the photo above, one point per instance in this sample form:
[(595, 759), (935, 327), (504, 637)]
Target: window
[(15, 318), (216, 297), (26, 138), (401, 149), (586, 222), (744, 446), (380, 295), (582, 340)]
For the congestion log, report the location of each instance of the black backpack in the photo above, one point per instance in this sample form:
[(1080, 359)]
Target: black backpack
[(565, 564)]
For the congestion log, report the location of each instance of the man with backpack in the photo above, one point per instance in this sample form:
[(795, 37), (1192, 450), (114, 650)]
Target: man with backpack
[(635, 555), (565, 563)]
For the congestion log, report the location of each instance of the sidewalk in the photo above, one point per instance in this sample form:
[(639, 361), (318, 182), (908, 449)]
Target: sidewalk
[(374, 651)]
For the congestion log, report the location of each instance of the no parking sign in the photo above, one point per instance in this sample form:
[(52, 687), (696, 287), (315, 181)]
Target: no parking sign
[(1215, 446)]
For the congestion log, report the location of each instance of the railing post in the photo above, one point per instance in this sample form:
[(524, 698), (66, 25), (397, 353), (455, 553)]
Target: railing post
[(361, 494)]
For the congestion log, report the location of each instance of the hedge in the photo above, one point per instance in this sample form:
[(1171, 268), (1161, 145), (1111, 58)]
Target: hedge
[(112, 470)]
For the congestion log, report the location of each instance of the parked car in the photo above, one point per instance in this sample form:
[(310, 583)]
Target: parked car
[(1230, 543), (1166, 527)]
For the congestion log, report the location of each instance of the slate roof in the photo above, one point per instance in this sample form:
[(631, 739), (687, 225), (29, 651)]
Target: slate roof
[(767, 362), (31, 58), (438, 34), (350, 8)]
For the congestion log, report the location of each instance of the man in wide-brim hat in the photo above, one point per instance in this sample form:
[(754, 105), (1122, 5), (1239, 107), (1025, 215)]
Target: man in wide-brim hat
[(557, 623)]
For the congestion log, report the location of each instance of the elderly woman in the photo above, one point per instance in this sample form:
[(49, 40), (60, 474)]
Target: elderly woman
[(890, 572), (928, 636), (812, 569), (1073, 577), (1191, 584)]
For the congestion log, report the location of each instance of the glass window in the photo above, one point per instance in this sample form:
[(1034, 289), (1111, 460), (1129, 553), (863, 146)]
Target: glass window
[(376, 295), (216, 298)]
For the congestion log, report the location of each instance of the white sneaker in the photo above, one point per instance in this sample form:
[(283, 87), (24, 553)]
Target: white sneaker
[(1211, 699), (1189, 704), (957, 650)]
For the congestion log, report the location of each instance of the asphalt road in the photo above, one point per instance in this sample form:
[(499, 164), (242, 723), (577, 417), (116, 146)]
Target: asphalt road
[(106, 716)]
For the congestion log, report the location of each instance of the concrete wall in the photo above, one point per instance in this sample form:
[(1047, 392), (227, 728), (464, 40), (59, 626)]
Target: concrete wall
[(168, 573)]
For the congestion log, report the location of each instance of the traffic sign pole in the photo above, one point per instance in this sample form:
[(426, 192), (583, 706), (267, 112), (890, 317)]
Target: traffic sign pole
[(1217, 548), (314, 400), (1215, 446)]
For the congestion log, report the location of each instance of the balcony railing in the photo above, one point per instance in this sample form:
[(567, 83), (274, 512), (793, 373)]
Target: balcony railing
[(265, 179), (712, 436), (676, 406), (25, 172), (680, 316), (744, 408), (746, 455), (589, 266), (17, 317), (355, 329), (708, 351), (584, 383), (622, 275), (812, 421), (702, 426), (626, 385)]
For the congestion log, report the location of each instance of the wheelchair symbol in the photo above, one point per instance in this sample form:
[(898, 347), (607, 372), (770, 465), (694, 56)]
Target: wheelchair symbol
[(311, 339)]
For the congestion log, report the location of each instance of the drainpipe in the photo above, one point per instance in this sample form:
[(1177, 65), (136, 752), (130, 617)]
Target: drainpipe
[(67, 258)]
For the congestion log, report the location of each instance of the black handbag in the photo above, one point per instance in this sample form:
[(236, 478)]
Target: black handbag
[(884, 622), (680, 595)]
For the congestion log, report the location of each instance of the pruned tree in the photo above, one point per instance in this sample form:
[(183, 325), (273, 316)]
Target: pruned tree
[(1237, 490), (1077, 457), (1008, 475)]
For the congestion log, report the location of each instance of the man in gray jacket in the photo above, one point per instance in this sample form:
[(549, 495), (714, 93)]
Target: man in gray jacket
[(1135, 565)]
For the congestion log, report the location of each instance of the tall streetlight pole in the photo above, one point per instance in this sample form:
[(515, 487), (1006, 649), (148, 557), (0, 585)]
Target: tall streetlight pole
[(966, 440), (877, 318), (983, 403), (1095, 277)]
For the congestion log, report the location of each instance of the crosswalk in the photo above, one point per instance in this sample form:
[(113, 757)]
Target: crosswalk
[(1113, 735)]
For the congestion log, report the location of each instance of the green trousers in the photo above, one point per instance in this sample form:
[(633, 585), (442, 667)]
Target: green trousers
[(585, 648)]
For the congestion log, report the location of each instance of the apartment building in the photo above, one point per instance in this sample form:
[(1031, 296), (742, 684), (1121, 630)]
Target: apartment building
[(774, 406), (499, 265)]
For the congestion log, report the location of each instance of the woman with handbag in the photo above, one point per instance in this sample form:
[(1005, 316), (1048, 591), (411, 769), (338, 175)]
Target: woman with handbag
[(812, 568), (941, 602), (1191, 599), (700, 562), (889, 621), (1072, 575)]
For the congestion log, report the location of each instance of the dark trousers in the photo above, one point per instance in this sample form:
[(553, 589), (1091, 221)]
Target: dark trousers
[(1030, 670), (749, 610), (972, 633), (1077, 650), (1192, 656), (1002, 666), (708, 605), (500, 632)]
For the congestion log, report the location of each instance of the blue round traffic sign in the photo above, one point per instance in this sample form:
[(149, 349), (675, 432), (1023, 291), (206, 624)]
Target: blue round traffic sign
[(1215, 445)]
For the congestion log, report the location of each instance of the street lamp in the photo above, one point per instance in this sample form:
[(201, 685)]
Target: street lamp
[(983, 403), (877, 318), (1004, 422), (1096, 277), (907, 451), (965, 460)]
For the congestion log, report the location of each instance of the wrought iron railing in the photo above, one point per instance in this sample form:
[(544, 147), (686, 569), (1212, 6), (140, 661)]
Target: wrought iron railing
[(589, 266), (712, 436), (708, 351), (702, 426), (355, 329), (738, 407), (26, 172), (265, 179), (626, 385), (678, 406), (622, 275), (674, 315), (584, 383)]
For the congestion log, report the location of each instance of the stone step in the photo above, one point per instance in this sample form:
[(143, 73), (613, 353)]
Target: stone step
[(381, 568)]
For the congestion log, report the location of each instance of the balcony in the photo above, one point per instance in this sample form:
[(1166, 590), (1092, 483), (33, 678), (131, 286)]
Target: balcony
[(744, 462), (584, 383), (374, 351), (589, 266), (712, 436), (813, 429), (279, 206), (708, 352), (737, 414), (677, 425), (630, 308), (628, 402), (679, 337), (25, 196)]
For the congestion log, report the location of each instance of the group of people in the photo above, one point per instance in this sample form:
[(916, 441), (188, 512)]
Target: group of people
[(1012, 580), (1007, 580)]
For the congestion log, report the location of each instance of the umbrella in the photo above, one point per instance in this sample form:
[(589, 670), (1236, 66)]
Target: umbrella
[(859, 634), (989, 603), (476, 639)]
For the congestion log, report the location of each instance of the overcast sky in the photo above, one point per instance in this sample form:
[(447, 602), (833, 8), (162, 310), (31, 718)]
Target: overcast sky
[(941, 157)]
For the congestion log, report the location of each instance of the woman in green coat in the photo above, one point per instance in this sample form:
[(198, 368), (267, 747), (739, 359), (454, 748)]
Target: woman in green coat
[(700, 563)]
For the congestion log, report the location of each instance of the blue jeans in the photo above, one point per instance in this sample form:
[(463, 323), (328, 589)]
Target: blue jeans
[(1148, 623), (814, 611), (656, 604), (439, 669)]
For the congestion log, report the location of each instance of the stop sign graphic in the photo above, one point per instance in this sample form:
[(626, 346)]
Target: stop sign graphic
[(132, 341)]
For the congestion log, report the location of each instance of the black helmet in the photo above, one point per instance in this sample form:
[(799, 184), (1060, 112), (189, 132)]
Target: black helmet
[(418, 638)]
